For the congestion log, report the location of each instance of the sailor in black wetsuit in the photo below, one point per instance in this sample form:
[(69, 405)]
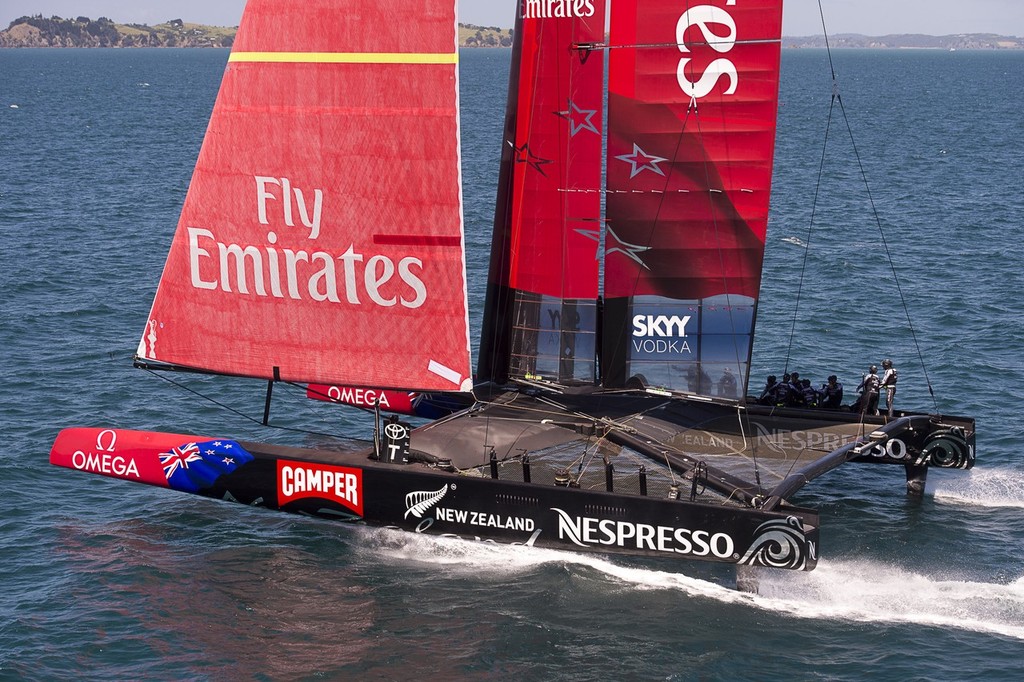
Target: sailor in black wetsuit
[(889, 384), (809, 393), (832, 393), (727, 384), (796, 390), (782, 391), (768, 394), (867, 403)]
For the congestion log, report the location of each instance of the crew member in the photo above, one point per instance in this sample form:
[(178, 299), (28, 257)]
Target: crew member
[(782, 391), (867, 403), (698, 380), (796, 390), (727, 384), (832, 393), (809, 393), (768, 394), (889, 384)]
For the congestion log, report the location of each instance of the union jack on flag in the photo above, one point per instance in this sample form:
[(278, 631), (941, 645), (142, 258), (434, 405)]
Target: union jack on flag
[(179, 457), (194, 466)]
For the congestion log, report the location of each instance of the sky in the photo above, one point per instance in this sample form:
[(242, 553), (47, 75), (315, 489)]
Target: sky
[(800, 18)]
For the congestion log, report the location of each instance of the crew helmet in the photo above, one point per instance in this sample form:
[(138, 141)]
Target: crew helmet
[(872, 369), (887, 363)]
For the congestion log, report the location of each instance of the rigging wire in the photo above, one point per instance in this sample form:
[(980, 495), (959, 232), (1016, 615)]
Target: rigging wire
[(810, 229), (892, 265), (241, 414), (838, 98)]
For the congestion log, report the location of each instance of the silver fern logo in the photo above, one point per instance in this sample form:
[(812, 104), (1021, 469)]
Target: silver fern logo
[(417, 503), (779, 544)]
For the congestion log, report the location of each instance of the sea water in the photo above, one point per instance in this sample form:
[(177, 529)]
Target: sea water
[(100, 579)]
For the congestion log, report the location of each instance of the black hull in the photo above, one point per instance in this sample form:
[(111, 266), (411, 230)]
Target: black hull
[(477, 508), (664, 478)]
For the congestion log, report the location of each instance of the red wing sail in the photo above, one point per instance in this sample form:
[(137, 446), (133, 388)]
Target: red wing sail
[(542, 301), (693, 96), (321, 238)]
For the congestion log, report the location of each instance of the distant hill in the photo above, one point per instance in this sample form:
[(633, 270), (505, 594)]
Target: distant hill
[(908, 41), (37, 31), (481, 36)]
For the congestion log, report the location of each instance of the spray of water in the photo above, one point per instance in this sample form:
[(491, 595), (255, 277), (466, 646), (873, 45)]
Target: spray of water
[(982, 488), (856, 591)]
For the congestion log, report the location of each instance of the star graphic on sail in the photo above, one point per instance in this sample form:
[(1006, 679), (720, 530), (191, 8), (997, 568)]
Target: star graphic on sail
[(641, 161), (615, 245), (525, 155), (595, 235), (573, 115)]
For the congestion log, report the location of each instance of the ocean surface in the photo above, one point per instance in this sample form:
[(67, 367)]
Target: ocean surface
[(101, 579)]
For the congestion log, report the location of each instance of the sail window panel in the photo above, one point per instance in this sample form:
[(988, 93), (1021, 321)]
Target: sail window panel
[(662, 336), (697, 346), (554, 340)]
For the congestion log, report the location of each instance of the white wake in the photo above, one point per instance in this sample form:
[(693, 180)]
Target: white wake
[(982, 488), (856, 591)]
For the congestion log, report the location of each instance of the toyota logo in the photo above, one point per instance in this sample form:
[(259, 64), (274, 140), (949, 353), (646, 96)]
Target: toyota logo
[(395, 431)]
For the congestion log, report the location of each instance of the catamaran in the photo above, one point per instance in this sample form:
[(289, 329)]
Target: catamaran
[(321, 243)]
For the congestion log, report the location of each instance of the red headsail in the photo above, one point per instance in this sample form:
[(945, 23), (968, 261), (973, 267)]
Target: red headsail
[(321, 238)]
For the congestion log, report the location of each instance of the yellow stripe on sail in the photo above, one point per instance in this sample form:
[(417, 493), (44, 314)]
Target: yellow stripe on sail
[(347, 57)]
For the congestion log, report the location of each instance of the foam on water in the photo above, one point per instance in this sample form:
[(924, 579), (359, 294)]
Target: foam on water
[(855, 591), (880, 593), (1001, 487)]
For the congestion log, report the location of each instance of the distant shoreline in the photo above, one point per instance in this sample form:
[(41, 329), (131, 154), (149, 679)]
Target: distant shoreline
[(82, 32)]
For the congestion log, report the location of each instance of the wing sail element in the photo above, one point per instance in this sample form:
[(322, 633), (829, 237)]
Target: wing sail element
[(692, 104)]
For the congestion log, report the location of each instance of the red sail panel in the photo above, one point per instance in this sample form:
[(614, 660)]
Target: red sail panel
[(555, 154), (692, 105), (321, 238), (541, 316), (693, 97)]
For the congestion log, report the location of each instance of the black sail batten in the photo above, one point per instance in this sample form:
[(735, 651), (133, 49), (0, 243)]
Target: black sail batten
[(157, 366)]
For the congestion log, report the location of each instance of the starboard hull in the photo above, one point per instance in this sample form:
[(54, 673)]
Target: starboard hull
[(350, 486)]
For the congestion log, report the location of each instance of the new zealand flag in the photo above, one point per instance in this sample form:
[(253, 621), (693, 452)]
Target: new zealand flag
[(193, 466)]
